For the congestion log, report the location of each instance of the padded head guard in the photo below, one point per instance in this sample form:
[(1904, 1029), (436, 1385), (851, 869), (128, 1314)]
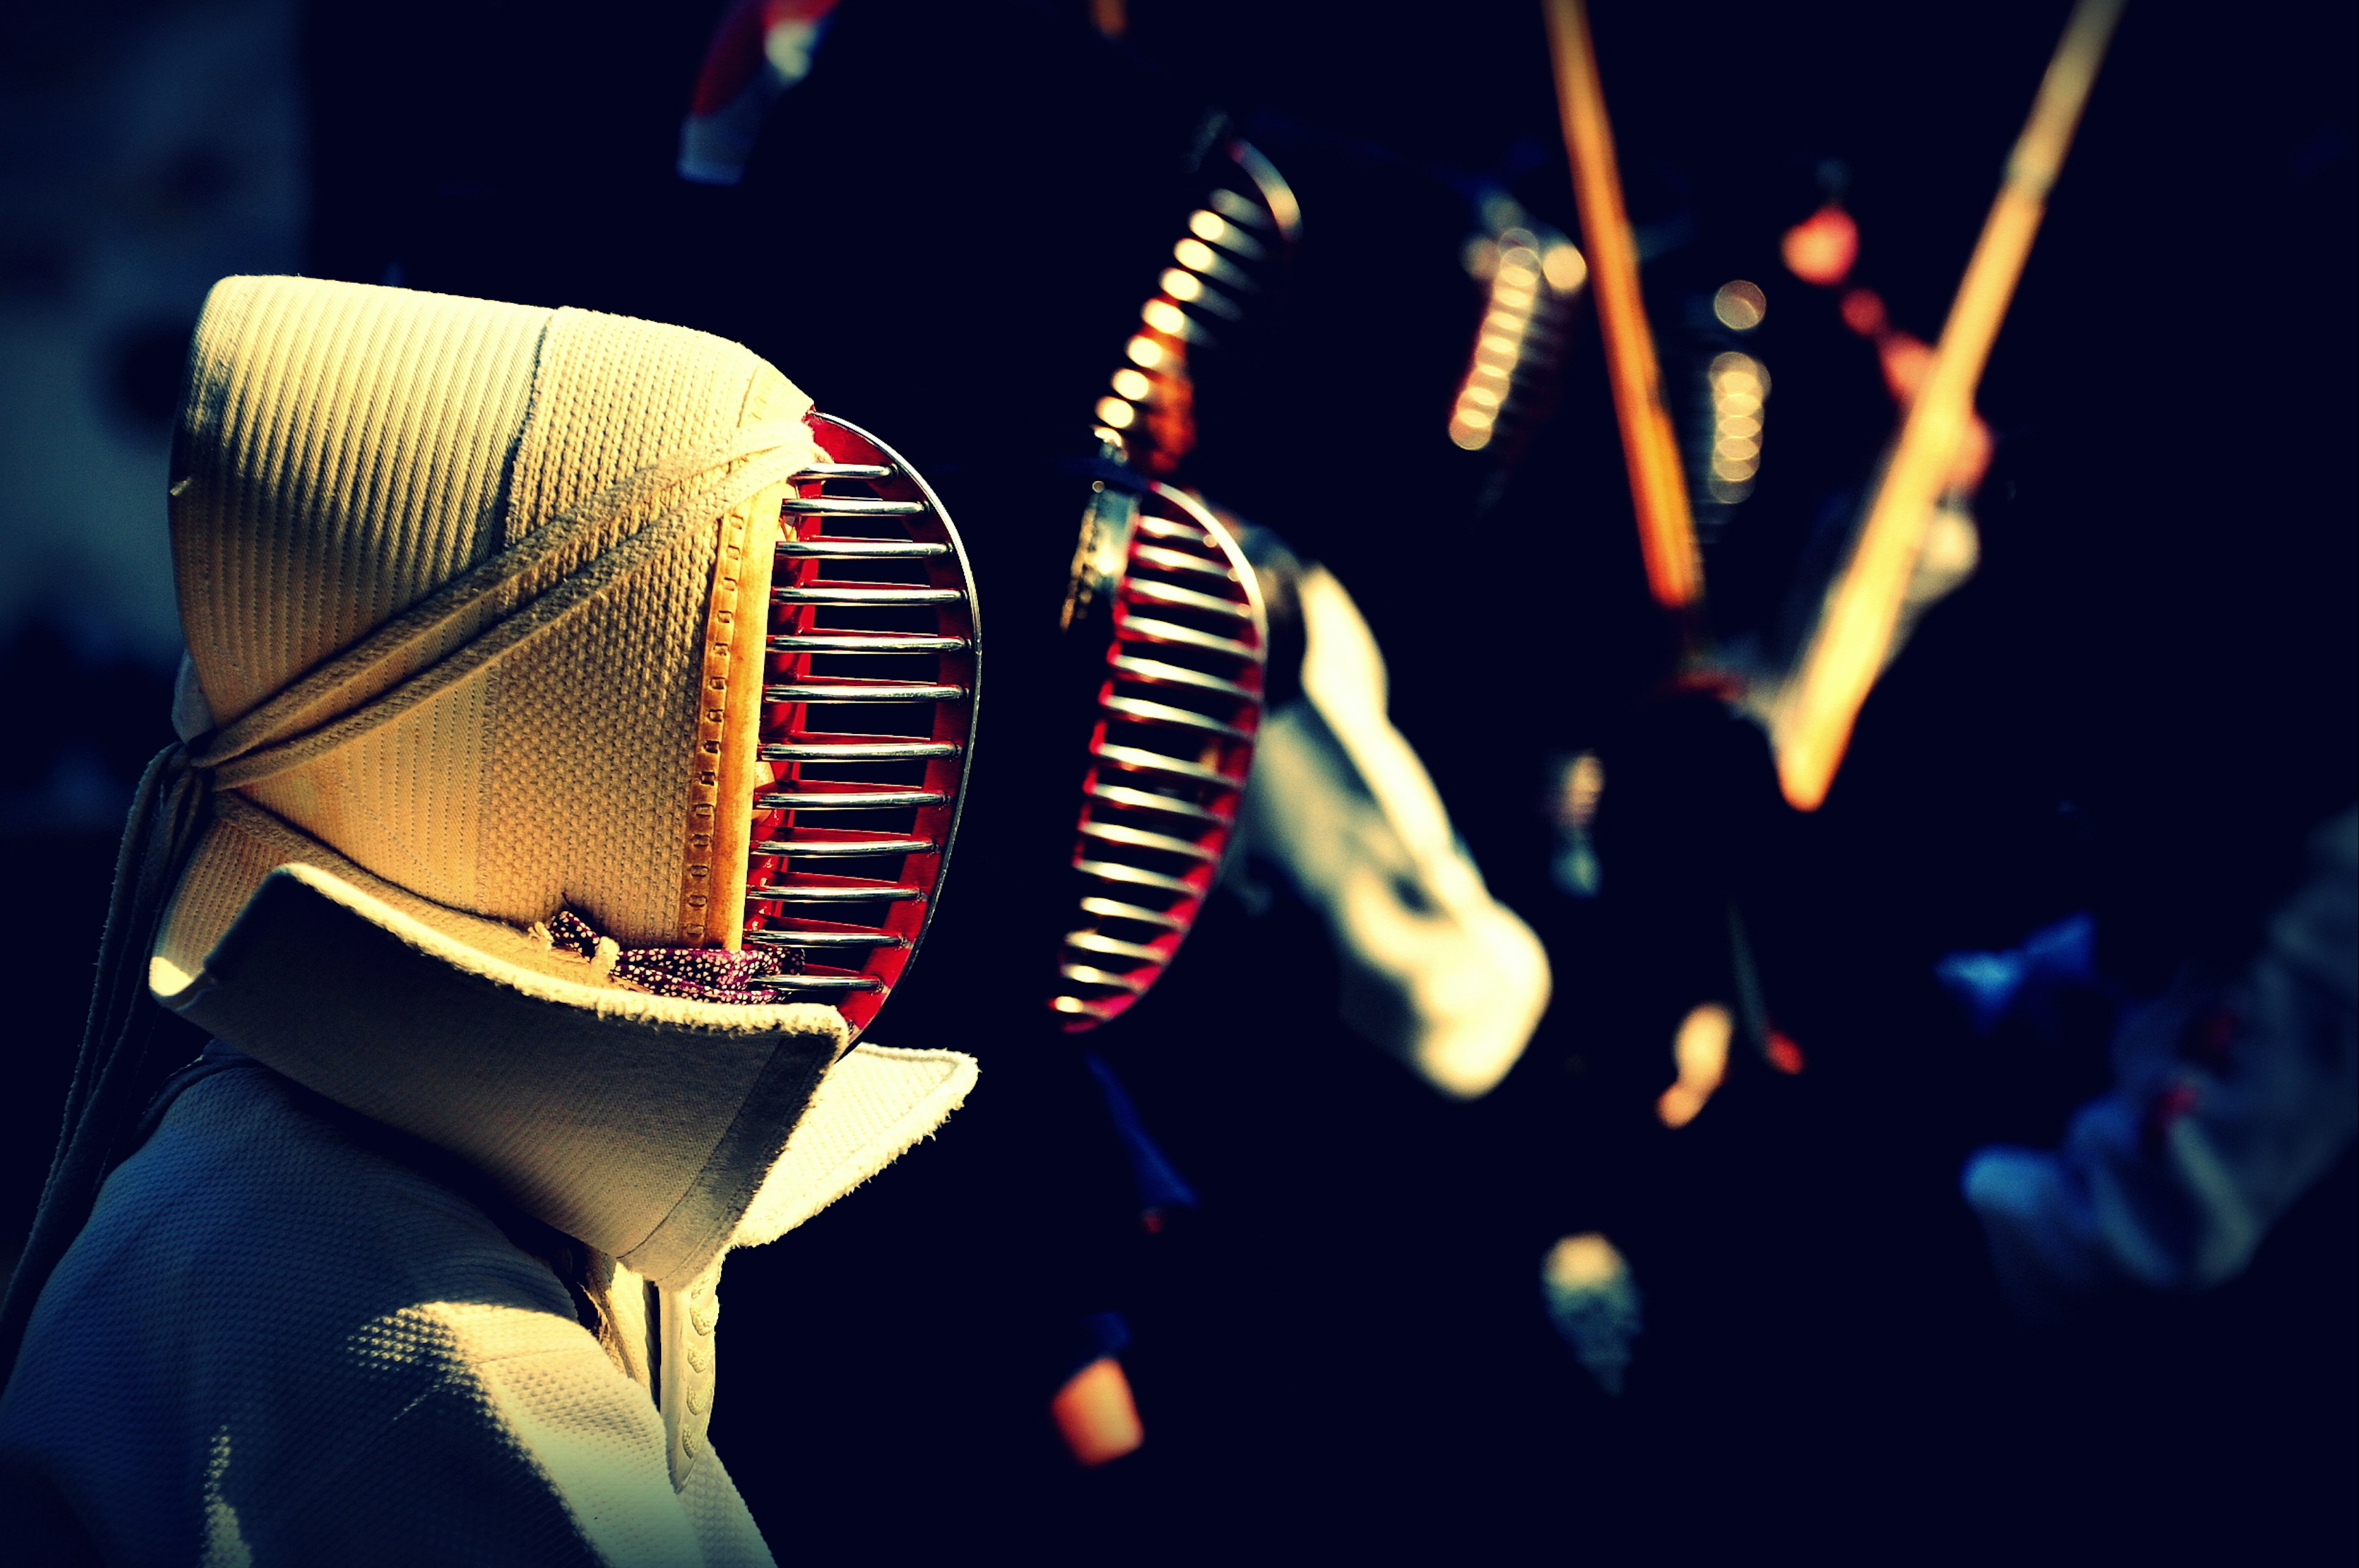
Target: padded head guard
[(481, 681)]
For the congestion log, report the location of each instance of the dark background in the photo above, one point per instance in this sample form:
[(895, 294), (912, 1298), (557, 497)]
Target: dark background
[(2138, 706)]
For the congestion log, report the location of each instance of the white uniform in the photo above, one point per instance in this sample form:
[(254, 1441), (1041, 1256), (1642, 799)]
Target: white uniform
[(333, 1358)]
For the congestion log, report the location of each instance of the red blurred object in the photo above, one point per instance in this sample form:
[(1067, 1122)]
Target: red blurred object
[(1904, 358), (1822, 248), (1783, 1054), (2169, 1107), (1863, 312), (736, 56)]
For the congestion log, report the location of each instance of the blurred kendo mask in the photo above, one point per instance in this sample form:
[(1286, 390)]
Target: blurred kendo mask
[(1168, 636), (1166, 632), (1435, 970), (553, 671)]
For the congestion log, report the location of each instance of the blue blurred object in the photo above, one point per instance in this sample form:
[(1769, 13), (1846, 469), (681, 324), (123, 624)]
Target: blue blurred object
[(1093, 1336), (2025, 979), (1160, 1186), (1593, 1300), (2229, 1100), (1575, 869)]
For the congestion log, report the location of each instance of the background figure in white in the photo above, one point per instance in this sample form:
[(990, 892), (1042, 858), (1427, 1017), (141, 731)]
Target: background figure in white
[(1435, 969)]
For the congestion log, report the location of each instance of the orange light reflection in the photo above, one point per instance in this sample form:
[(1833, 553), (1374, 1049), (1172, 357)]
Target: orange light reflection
[(1096, 1415), (1821, 248), (1701, 1050), (1848, 646), (1658, 484)]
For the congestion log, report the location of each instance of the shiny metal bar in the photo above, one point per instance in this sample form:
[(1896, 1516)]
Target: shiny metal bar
[(863, 643), (1115, 872), (844, 847), (1140, 838), (860, 594), (1163, 593), (819, 982), (1203, 294), (1156, 763), (1174, 528), (1115, 909), (1211, 264), (1148, 630), (1075, 1006), (1165, 316), (819, 471), (1140, 711), (1243, 210), (770, 938), (1148, 800), (849, 506), (879, 691), (875, 800), (1156, 555), (1092, 942), (854, 751), (1157, 673), (1087, 975), (864, 549), (882, 893), (1238, 208)]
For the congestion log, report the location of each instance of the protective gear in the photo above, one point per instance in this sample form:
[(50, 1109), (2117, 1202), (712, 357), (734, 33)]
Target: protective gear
[(464, 608), (1172, 634), (1164, 615), (459, 837)]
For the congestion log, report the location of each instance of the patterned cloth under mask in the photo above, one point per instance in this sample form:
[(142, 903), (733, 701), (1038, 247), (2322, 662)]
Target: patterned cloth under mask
[(702, 974)]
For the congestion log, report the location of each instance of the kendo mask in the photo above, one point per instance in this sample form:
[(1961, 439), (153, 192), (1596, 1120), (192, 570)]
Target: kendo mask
[(524, 838), (1163, 622)]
